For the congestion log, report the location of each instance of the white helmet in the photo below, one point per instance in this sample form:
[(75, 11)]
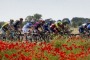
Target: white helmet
[(84, 24)]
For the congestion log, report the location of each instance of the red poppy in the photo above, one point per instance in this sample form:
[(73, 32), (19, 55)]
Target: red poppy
[(7, 56)]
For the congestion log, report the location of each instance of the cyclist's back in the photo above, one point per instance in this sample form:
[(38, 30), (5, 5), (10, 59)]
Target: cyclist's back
[(26, 27), (16, 24)]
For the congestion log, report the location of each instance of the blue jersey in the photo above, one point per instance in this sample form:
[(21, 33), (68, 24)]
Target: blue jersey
[(88, 27), (28, 25), (45, 27)]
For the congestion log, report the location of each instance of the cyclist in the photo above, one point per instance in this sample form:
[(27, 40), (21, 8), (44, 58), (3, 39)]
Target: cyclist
[(83, 28), (26, 27), (34, 33), (88, 28), (5, 29), (46, 27), (53, 28), (18, 24), (58, 25), (66, 24)]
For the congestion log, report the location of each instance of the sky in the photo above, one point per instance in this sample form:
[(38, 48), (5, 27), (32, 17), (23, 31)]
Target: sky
[(55, 9)]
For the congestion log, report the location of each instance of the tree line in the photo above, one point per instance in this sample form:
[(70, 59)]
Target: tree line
[(75, 21)]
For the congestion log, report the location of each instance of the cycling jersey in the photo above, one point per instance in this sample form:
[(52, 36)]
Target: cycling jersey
[(5, 27), (26, 27), (88, 27), (45, 27)]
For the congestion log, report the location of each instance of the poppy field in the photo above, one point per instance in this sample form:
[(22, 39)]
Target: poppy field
[(60, 48)]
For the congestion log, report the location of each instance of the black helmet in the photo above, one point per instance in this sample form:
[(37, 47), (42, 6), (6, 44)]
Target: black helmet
[(21, 18), (66, 21)]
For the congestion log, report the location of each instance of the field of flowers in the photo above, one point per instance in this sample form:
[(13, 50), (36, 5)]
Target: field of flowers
[(61, 48)]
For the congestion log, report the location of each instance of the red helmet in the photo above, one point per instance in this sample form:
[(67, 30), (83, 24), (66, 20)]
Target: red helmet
[(53, 26), (43, 21)]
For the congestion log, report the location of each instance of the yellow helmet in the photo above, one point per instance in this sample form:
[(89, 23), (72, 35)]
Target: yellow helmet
[(5, 24)]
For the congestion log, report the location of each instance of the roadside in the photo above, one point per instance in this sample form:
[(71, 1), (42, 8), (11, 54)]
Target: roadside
[(75, 31)]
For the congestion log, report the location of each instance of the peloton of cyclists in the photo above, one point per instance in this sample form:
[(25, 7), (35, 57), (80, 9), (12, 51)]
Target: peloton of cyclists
[(59, 27)]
